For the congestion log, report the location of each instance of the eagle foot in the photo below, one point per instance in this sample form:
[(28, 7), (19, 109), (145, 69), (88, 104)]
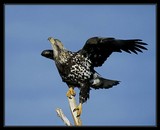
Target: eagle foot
[(70, 92), (78, 109)]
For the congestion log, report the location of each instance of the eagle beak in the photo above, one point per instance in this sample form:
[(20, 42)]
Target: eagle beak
[(51, 40), (53, 43)]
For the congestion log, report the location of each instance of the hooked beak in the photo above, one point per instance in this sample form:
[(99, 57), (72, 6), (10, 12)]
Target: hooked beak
[(52, 41)]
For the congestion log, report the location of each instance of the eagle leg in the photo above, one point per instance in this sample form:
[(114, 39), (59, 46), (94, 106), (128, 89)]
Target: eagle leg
[(78, 109), (70, 92)]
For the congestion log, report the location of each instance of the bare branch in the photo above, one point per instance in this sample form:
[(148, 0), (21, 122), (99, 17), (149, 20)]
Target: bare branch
[(63, 117), (72, 104)]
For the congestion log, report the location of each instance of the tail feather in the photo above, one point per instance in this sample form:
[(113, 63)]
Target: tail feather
[(102, 83)]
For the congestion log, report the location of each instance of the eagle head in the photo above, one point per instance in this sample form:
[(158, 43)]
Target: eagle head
[(59, 52)]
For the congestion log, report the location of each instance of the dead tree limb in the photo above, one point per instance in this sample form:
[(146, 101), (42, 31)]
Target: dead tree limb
[(73, 105), (63, 117)]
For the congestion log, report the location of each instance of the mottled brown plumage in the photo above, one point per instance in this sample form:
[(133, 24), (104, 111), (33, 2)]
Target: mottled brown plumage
[(77, 68)]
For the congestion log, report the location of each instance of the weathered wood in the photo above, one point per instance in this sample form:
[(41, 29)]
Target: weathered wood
[(63, 117), (72, 105)]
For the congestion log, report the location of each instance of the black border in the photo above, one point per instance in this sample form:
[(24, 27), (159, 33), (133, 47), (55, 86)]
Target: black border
[(72, 3)]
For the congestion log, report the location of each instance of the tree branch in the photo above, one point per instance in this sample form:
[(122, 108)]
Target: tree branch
[(73, 105), (63, 117)]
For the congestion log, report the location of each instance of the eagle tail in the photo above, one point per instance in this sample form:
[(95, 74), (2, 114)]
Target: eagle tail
[(103, 83)]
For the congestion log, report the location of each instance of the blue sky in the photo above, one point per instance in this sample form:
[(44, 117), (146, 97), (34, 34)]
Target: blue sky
[(33, 87)]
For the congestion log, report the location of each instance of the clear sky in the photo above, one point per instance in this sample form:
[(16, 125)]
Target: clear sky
[(33, 87)]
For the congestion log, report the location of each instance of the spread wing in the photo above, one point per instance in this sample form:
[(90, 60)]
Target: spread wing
[(99, 49)]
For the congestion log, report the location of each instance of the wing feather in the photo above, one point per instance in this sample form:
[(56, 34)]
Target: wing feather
[(99, 49)]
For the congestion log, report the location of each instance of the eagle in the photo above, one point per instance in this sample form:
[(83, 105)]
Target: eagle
[(77, 68)]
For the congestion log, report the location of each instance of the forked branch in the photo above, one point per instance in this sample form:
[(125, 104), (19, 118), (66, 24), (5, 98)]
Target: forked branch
[(73, 105)]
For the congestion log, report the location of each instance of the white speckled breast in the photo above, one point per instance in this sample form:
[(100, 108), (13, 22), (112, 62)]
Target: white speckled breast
[(80, 69)]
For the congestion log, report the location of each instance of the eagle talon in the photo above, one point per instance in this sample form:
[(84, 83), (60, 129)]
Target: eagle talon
[(69, 97), (70, 93), (78, 109), (75, 109)]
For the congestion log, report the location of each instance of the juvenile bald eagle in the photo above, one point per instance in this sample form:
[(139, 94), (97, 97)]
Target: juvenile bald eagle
[(77, 68)]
